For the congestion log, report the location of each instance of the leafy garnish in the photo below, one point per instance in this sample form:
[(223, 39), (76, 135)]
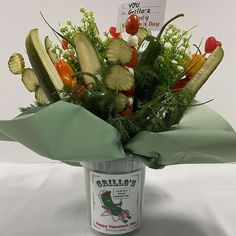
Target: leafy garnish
[(89, 27), (32, 108)]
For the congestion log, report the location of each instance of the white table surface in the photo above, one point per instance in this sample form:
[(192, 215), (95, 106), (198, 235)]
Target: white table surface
[(48, 199)]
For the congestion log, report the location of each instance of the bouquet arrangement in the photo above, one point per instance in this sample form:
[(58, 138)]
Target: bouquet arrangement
[(100, 99), (103, 97)]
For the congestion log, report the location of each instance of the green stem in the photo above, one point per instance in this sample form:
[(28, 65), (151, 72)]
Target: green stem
[(56, 32), (167, 23), (198, 49), (89, 74)]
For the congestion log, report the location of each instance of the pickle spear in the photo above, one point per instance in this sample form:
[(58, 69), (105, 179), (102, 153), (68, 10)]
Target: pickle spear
[(43, 67)]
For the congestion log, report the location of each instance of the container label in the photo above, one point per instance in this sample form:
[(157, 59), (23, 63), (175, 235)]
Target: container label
[(150, 12), (115, 202)]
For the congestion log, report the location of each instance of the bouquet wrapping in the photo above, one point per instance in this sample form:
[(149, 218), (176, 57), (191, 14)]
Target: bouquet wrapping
[(65, 132)]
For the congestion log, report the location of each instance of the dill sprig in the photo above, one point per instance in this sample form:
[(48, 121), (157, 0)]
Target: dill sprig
[(32, 108), (127, 127)]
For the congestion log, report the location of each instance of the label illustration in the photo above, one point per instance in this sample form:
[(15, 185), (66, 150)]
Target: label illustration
[(115, 202)]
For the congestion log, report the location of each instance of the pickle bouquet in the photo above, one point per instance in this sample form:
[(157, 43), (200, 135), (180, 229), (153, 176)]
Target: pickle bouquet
[(133, 80)]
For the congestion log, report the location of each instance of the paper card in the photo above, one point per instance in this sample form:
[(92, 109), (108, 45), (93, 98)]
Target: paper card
[(150, 12)]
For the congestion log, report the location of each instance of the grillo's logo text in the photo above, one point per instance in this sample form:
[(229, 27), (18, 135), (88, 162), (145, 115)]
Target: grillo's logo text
[(135, 7), (116, 182)]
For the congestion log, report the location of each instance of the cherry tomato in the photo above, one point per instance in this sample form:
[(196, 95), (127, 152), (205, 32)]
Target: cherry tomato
[(218, 43), (70, 57), (73, 85), (134, 59), (64, 44), (130, 93), (211, 44), (81, 91), (132, 24), (113, 32), (180, 84), (127, 112), (66, 73)]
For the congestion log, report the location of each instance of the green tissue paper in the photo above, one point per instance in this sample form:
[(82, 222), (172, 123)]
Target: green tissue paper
[(71, 134)]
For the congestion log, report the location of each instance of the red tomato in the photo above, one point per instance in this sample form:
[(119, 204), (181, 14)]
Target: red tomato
[(113, 32), (70, 57), (64, 44), (180, 84), (81, 91), (66, 73), (134, 59), (73, 85), (130, 93), (132, 24), (211, 44), (127, 112), (218, 43)]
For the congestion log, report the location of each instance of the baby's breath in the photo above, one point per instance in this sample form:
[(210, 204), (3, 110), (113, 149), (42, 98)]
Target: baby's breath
[(87, 26), (176, 51)]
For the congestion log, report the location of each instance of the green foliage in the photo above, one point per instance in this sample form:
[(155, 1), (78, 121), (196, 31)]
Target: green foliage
[(89, 27), (156, 106), (170, 65), (32, 108), (127, 127)]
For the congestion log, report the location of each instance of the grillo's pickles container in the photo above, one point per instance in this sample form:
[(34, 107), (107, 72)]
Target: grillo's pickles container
[(114, 192)]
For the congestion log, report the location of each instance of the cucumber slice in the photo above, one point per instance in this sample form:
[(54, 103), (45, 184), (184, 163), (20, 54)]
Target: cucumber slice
[(30, 80), (48, 45), (43, 67), (119, 51), (88, 56), (119, 78), (40, 96), (16, 64), (121, 102)]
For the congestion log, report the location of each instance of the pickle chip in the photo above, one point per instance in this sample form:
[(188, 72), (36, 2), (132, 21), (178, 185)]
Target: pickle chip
[(40, 96), (119, 78), (16, 64), (30, 80)]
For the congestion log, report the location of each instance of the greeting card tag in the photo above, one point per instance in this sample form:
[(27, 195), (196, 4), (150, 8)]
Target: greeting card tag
[(150, 12)]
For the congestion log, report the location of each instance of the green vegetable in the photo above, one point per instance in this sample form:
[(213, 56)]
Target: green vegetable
[(87, 55), (119, 51), (43, 67), (119, 78), (121, 101), (150, 48), (99, 101), (205, 71), (40, 96), (16, 64), (48, 45), (30, 80)]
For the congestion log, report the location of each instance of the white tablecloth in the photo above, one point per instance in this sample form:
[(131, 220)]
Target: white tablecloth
[(48, 199)]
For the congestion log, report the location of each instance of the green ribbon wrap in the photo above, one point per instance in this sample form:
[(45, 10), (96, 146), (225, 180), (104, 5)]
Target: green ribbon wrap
[(71, 134)]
